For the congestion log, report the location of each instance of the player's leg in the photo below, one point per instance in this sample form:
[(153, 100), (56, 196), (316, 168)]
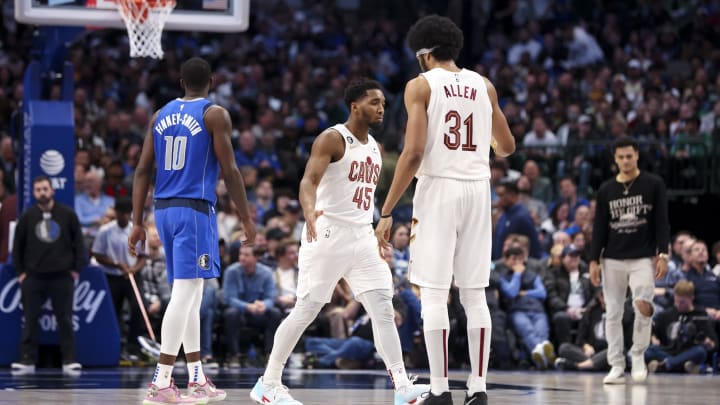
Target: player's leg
[(615, 284), (432, 241), (471, 268), (642, 285)]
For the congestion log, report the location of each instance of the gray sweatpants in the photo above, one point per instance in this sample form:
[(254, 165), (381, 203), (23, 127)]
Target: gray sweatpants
[(617, 275)]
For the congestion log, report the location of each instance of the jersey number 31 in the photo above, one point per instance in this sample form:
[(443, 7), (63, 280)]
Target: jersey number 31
[(453, 139), (175, 152)]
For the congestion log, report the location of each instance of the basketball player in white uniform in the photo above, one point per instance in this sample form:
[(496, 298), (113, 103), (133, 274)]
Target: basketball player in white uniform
[(453, 119), (337, 194)]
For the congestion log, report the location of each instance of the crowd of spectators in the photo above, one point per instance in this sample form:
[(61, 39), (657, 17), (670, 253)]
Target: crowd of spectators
[(571, 77)]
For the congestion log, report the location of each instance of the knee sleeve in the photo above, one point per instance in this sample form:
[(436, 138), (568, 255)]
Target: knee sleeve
[(476, 307), (434, 308)]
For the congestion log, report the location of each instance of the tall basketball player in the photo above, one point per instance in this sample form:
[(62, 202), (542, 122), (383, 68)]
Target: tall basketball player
[(189, 138), (453, 118), (337, 193)]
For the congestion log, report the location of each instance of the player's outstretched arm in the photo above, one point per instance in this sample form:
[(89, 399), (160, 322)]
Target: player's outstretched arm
[(327, 147), (141, 184), (503, 141), (217, 121), (417, 94)]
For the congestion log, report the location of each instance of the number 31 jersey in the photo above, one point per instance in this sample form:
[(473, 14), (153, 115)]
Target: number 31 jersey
[(186, 163), (459, 126), (347, 189)]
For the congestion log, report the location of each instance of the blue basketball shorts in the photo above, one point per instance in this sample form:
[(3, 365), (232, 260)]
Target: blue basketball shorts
[(188, 231)]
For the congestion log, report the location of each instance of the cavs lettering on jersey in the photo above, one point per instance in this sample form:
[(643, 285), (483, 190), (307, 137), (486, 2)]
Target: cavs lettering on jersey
[(186, 162), (459, 126), (347, 190)]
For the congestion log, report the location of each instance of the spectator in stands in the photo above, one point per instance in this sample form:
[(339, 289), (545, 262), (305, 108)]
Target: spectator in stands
[(114, 180), (536, 208), (710, 122), (589, 352), (706, 283), (568, 294), (48, 254), (250, 292), (400, 241), (558, 220), (286, 274), (569, 194), (540, 140), (682, 335), (92, 205), (524, 294), (247, 154), (514, 219), (110, 249), (268, 160), (8, 214), (676, 257), (690, 143), (156, 290), (580, 222), (264, 197)]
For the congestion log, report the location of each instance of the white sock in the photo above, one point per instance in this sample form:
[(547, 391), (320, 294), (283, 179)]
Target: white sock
[(398, 375), (436, 342), (195, 373), (163, 374)]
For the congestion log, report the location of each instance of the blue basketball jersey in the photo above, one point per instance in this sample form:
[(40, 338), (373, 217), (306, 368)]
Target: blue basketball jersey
[(186, 163)]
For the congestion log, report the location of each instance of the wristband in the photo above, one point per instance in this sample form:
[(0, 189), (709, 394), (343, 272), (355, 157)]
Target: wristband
[(385, 216)]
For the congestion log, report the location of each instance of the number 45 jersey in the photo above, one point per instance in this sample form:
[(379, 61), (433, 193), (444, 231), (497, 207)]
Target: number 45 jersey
[(347, 190), (459, 126), (186, 162)]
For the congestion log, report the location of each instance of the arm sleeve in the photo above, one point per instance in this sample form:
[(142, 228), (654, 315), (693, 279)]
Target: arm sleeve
[(662, 224), (600, 226), (19, 245), (538, 291), (510, 288)]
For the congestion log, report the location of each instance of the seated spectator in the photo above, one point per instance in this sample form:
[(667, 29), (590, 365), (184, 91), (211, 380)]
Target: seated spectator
[(524, 295), (569, 193), (677, 246), (537, 209), (541, 186), (690, 142), (514, 219), (589, 351), (115, 180), (558, 220), (156, 289), (581, 220), (400, 241), (286, 274), (540, 141), (706, 283), (92, 204), (264, 198), (568, 293), (249, 291), (682, 335)]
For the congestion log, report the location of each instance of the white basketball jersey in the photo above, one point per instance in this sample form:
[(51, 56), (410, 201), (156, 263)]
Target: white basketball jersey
[(347, 190), (459, 126)]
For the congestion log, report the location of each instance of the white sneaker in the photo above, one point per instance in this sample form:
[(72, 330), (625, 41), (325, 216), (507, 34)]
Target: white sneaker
[(412, 394), (639, 370), (272, 394), (72, 369), (615, 376), (22, 368), (538, 357)]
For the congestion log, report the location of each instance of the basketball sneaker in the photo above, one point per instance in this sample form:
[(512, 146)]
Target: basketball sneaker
[(168, 395), (272, 394), (207, 390), (478, 398), (443, 399), (413, 394)]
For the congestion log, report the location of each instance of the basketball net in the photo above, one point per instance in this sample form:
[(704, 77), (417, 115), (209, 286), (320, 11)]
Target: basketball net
[(145, 20)]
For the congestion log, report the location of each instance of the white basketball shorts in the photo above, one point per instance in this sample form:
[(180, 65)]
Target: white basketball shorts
[(341, 250), (451, 233)]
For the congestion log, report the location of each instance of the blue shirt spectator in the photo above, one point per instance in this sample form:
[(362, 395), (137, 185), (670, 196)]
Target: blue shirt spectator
[(247, 282), (92, 205), (514, 219)]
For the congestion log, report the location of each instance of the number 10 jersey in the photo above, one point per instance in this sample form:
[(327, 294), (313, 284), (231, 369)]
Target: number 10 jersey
[(347, 189), (186, 163), (459, 127)]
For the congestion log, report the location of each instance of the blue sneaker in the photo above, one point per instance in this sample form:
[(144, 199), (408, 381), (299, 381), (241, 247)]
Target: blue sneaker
[(413, 394), (272, 394)]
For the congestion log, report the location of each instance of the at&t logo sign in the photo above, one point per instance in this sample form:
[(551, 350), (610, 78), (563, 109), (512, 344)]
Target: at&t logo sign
[(52, 163)]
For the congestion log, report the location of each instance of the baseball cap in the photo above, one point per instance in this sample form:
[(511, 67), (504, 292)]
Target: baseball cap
[(293, 206), (583, 119), (570, 250)]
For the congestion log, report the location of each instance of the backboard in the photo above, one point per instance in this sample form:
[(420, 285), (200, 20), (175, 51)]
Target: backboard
[(189, 15)]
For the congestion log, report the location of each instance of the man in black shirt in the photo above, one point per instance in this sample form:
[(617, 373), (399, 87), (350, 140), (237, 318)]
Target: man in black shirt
[(48, 253), (630, 229)]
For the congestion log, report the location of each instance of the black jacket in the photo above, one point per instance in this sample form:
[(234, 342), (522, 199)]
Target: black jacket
[(557, 284), (47, 246)]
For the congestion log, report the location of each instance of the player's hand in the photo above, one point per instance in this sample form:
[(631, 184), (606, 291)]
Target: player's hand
[(382, 233), (137, 234), (588, 350), (22, 277), (595, 273), (310, 220), (661, 268), (249, 231)]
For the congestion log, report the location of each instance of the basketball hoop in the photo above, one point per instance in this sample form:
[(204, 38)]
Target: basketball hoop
[(145, 20)]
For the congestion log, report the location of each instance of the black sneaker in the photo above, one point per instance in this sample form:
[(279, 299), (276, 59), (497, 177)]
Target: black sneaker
[(443, 399), (478, 398)]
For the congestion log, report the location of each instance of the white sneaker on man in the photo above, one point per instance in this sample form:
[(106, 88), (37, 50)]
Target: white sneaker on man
[(639, 370), (615, 376)]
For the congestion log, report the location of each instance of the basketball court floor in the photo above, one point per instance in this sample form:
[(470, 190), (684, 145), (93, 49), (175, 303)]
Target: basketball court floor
[(337, 387)]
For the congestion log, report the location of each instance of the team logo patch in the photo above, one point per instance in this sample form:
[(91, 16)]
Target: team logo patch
[(204, 261), (327, 233), (349, 139), (47, 230)]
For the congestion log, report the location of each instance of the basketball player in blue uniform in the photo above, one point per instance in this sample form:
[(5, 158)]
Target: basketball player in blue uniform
[(189, 139)]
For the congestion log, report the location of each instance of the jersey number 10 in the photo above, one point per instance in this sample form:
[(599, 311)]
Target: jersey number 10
[(453, 139), (175, 152)]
